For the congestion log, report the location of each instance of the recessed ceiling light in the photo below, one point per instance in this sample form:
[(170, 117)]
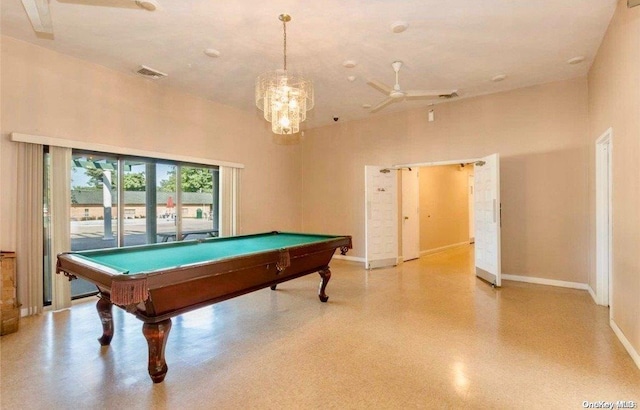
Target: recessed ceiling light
[(149, 5), (212, 52), (349, 63), (351, 78), (498, 78), (575, 60), (399, 26), (367, 106)]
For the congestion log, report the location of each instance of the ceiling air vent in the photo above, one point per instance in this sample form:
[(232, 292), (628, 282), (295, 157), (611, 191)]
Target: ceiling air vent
[(447, 96), (149, 72)]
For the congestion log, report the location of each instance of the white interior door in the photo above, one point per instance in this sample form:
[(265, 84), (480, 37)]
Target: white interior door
[(381, 221), (410, 214), (487, 218)]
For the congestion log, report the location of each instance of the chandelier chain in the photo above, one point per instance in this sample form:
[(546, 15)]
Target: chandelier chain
[(284, 27)]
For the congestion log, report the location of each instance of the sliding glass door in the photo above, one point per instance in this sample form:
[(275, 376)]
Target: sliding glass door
[(94, 208), (199, 202), (120, 201)]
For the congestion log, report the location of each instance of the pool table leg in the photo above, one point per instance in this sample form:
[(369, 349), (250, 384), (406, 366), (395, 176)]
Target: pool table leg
[(156, 335), (104, 307), (325, 274)]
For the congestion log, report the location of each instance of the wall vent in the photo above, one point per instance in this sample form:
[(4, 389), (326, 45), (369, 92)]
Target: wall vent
[(149, 72)]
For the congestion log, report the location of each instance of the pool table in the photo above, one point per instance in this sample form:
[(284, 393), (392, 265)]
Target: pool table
[(156, 282)]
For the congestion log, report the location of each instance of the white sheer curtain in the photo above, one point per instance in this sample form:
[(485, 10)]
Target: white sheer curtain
[(29, 222), (60, 202), (229, 200)]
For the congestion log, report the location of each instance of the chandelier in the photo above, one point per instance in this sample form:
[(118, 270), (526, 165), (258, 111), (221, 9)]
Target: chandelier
[(284, 98)]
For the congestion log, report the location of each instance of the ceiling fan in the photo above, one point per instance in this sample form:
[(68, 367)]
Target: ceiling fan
[(396, 94), (40, 15)]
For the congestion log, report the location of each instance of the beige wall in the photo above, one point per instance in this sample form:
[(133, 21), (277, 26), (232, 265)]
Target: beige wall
[(540, 134), (50, 94), (614, 101), (444, 206)]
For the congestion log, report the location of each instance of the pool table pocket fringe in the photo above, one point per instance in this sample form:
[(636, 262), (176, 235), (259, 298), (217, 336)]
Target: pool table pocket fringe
[(129, 292), (284, 260)]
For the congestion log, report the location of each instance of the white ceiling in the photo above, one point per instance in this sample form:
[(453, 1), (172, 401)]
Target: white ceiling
[(449, 44)]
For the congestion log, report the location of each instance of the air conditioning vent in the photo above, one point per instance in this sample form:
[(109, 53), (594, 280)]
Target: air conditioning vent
[(149, 72), (447, 96)]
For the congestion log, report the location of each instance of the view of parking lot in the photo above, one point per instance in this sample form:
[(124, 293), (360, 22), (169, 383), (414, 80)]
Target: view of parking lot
[(87, 235)]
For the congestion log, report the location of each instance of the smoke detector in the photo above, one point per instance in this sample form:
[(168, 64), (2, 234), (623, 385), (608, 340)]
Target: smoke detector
[(211, 52), (575, 60), (399, 26), (149, 5)]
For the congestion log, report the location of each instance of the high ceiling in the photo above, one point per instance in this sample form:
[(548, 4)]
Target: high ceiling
[(458, 45)]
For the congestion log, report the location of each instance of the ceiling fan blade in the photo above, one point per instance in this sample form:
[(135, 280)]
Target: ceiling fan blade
[(380, 86), (383, 104), (427, 93), (39, 15)]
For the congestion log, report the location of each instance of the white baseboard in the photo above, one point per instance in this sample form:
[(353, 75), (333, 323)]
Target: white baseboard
[(24, 312), (381, 263), (593, 294), (543, 281), (625, 342), (349, 258), (443, 248)]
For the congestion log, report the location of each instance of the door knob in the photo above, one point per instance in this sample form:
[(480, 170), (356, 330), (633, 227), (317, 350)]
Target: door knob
[(406, 217)]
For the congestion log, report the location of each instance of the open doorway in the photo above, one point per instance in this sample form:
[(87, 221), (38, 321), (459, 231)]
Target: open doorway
[(445, 207), (382, 216), (484, 230)]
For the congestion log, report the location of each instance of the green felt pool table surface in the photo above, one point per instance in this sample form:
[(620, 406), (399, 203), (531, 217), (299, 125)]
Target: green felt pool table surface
[(149, 258)]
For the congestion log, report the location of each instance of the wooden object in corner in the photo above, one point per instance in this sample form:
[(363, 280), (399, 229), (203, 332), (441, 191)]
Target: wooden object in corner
[(9, 309)]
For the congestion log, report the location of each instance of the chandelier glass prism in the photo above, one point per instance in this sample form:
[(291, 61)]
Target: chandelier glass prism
[(284, 98)]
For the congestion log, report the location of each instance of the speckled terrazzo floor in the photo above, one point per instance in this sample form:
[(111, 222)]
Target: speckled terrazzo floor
[(425, 334)]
